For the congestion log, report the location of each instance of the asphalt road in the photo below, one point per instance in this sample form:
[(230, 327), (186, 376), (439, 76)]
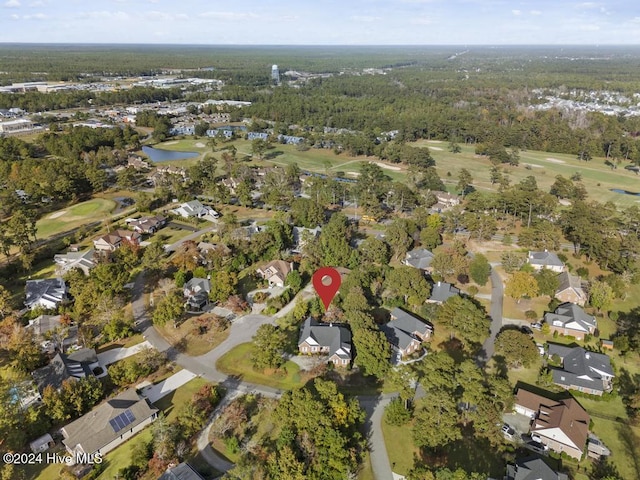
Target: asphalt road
[(495, 312)]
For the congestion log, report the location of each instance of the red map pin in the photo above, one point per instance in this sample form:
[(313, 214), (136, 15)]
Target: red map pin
[(326, 281)]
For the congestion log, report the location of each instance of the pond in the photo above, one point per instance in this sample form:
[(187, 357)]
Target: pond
[(158, 155), (625, 192)]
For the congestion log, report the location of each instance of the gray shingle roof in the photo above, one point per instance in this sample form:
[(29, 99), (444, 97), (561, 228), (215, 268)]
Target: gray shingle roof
[(336, 337), (419, 258), (581, 367), (63, 367), (545, 259), (442, 291), (400, 330), (569, 313), (93, 431), (533, 468), (52, 290), (182, 471), (566, 281)]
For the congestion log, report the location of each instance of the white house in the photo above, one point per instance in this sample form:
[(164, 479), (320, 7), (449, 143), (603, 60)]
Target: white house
[(46, 293), (195, 209)]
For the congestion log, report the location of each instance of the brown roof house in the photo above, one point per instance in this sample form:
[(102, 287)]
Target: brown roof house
[(563, 426), (275, 272), (406, 332), (570, 289), (109, 424), (571, 319), (114, 240), (326, 338), (148, 225)]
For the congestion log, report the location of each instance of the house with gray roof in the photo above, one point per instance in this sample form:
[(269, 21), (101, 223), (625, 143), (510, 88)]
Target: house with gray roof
[(419, 258), (50, 330), (46, 293), (570, 289), (195, 209), (326, 338), (302, 235), (545, 259), (571, 319), (532, 468), (582, 370), (182, 471), (62, 367), (108, 425), (65, 262), (196, 292), (406, 332), (441, 292)]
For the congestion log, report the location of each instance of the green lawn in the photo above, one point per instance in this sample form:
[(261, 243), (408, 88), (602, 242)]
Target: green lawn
[(366, 472), (237, 362), (400, 448), (75, 216), (596, 176)]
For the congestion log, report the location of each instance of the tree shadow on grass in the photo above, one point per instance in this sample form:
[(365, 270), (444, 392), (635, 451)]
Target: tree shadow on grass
[(472, 454), (630, 440)]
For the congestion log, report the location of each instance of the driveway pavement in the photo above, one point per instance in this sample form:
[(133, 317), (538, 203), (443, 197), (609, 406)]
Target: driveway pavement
[(497, 292), (374, 407), (168, 385), (115, 354)]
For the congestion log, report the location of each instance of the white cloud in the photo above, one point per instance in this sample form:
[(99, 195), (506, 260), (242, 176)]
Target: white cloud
[(589, 28), (365, 18), (105, 14), (421, 21), (12, 3), (516, 12), (165, 17), (535, 12), (230, 16), (587, 5), (37, 3)]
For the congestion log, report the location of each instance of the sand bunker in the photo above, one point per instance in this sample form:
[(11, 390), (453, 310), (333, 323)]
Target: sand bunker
[(554, 160), (534, 165), (171, 143), (353, 174), (57, 214), (388, 167), (200, 145), (435, 148)]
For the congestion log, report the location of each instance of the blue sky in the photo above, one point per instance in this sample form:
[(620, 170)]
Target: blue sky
[(325, 22)]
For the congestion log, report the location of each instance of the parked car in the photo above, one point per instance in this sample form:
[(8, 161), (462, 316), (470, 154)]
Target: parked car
[(527, 330), (536, 438), (508, 431), (537, 447), (536, 325), (540, 349)]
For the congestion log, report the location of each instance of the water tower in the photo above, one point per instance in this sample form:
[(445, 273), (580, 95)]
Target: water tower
[(275, 74)]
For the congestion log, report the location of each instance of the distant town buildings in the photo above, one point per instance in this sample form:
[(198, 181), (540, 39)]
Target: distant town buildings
[(275, 74)]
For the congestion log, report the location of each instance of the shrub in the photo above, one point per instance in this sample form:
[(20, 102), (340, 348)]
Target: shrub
[(555, 334), (396, 414), (583, 272), (473, 290), (530, 315)]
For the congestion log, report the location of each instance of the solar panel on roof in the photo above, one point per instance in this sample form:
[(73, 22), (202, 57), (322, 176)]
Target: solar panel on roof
[(122, 421)]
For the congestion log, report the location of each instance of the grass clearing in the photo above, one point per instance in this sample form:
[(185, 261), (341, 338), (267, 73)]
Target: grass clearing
[(186, 338), (238, 362), (400, 448), (94, 210)]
